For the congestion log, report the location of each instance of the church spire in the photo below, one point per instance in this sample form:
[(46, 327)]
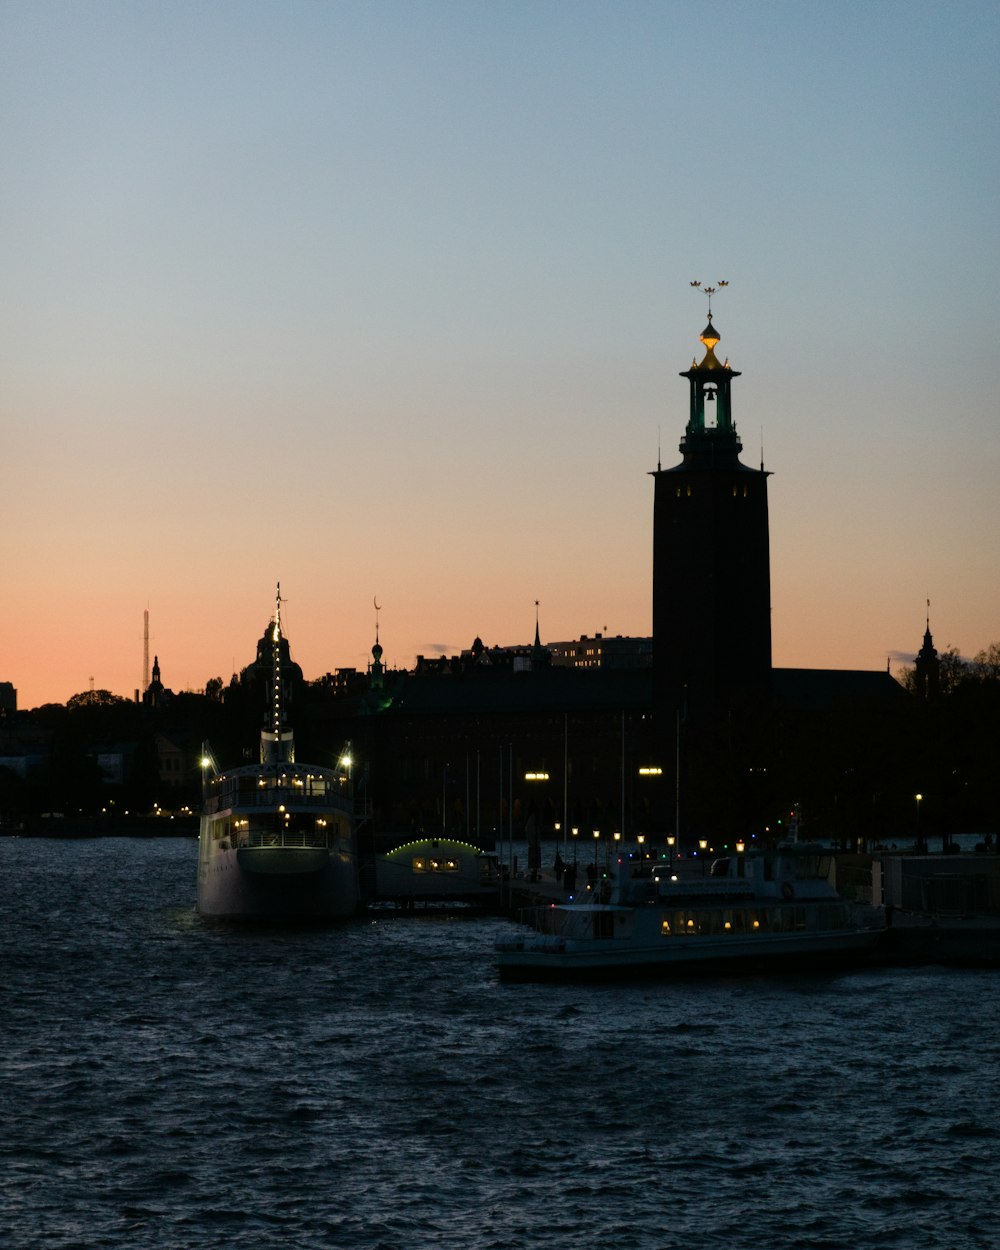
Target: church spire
[(376, 672), (927, 669)]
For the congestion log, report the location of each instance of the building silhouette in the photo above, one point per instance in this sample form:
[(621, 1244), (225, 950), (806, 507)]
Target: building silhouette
[(711, 561)]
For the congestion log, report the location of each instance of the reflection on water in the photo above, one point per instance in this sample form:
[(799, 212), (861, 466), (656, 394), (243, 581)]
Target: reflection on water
[(174, 1084)]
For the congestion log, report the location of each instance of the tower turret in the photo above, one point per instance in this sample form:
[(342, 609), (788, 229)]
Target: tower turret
[(710, 429)]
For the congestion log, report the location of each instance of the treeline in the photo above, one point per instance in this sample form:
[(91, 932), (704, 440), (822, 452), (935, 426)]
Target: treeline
[(864, 769)]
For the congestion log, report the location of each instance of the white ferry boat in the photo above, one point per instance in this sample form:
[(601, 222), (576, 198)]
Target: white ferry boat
[(758, 910), (277, 839)]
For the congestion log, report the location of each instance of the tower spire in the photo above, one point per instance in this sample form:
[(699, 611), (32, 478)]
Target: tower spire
[(927, 669), (376, 672), (710, 427)]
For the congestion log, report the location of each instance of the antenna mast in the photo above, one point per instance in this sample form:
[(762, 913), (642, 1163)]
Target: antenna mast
[(145, 651)]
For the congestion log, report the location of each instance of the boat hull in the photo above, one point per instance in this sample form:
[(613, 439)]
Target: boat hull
[(534, 959), (278, 885)]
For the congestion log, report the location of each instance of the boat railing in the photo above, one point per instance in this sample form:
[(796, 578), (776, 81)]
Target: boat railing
[(301, 838), (273, 797)]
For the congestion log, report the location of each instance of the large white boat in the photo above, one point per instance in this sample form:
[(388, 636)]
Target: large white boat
[(757, 910), (277, 838)]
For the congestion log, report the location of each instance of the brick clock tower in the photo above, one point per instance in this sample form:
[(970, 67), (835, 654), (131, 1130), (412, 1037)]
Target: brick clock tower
[(711, 563)]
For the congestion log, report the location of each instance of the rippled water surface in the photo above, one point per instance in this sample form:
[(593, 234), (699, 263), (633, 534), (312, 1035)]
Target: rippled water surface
[(167, 1083)]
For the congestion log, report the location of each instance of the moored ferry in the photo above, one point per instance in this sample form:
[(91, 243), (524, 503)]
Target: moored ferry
[(277, 838), (758, 910)]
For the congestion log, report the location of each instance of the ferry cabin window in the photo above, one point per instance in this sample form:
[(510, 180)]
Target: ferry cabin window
[(744, 920), (423, 863)]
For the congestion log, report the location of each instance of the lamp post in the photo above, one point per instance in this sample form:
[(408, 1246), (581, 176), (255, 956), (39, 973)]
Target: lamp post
[(671, 842), (920, 842), (597, 843), (702, 848), (576, 834)]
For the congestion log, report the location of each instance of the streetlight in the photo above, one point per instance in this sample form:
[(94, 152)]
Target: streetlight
[(920, 845), (597, 843), (671, 842), (702, 847)]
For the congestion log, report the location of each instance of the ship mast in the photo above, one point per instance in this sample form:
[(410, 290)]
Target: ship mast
[(277, 745), (276, 667)]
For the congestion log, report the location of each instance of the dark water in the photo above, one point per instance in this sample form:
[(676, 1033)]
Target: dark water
[(170, 1084)]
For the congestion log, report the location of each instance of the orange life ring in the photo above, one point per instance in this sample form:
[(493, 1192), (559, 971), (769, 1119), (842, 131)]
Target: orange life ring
[(787, 890)]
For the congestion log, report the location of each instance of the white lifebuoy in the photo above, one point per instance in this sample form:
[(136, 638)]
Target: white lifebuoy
[(787, 890)]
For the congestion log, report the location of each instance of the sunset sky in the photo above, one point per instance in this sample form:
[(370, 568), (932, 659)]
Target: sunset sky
[(390, 299)]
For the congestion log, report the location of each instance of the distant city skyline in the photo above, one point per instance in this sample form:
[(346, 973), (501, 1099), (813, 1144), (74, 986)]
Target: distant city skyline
[(391, 300)]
